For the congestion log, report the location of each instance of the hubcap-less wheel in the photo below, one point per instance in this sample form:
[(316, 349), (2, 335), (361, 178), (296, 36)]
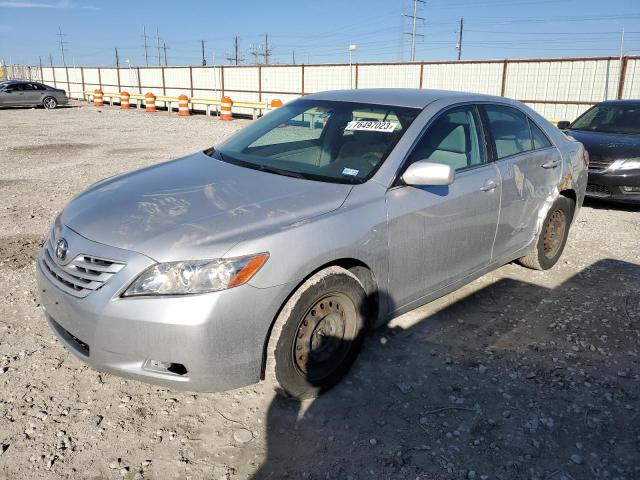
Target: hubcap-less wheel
[(324, 336), (50, 103), (554, 233)]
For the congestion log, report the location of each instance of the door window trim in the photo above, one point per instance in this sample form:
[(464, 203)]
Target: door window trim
[(397, 181), (489, 133)]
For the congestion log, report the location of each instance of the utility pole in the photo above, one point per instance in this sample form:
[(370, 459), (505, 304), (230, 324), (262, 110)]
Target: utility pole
[(622, 46), (50, 60), (235, 57), (413, 33), (117, 59), (293, 57), (204, 60), (237, 46), (62, 42), (146, 54), (267, 50), (164, 46), (459, 46), (158, 45)]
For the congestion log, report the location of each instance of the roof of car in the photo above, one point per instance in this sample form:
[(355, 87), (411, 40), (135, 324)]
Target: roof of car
[(405, 97)]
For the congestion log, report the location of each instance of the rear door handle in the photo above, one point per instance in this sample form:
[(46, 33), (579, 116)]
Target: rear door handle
[(550, 164), (488, 186)]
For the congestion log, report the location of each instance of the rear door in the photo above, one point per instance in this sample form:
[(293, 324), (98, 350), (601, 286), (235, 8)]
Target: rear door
[(32, 95), (530, 167), (439, 234)]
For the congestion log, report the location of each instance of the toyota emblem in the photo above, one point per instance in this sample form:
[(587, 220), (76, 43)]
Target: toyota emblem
[(61, 249)]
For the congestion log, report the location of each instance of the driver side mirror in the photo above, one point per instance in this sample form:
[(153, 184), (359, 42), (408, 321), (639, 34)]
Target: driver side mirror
[(424, 173), (563, 124)]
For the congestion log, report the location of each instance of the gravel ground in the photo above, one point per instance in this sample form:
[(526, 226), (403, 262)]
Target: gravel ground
[(519, 375)]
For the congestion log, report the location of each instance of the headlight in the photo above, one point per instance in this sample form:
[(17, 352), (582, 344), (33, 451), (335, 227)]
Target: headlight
[(196, 276), (631, 164)]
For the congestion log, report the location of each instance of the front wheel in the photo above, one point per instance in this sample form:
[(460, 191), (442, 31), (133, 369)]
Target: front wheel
[(552, 237), (317, 335), (49, 103)]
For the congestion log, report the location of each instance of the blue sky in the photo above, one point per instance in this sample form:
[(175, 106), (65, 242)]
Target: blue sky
[(317, 31)]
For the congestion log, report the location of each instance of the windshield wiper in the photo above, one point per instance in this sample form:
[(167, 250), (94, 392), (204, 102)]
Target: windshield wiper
[(280, 171), (262, 168)]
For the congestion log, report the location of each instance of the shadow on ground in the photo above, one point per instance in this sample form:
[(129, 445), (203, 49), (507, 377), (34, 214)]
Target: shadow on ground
[(514, 381)]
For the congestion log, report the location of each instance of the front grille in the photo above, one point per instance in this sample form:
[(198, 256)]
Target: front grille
[(599, 190), (83, 275), (598, 164)]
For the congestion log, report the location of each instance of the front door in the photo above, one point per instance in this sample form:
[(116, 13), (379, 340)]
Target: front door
[(439, 234), (12, 94)]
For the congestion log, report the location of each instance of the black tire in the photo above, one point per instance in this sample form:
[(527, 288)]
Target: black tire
[(49, 103), (317, 335), (552, 237)]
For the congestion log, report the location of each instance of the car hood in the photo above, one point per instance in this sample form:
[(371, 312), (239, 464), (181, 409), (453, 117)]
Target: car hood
[(196, 207), (608, 146)]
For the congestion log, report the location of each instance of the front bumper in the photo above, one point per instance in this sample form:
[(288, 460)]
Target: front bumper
[(219, 337), (608, 185)]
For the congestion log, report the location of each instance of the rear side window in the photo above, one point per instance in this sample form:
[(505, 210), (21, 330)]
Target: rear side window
[(539, 138), (510, 129)]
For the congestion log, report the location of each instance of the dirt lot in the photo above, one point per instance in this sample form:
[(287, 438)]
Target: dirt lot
[(519, 375)]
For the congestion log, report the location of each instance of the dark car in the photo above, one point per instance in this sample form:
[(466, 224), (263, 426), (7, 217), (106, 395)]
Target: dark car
[(610, 131), (15, 93)]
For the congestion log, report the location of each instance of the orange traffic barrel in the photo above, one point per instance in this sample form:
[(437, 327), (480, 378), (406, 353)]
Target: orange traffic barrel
[(276, 103), (97, 97), (225, 108), (150, 102), (183, 106), (124, 100)]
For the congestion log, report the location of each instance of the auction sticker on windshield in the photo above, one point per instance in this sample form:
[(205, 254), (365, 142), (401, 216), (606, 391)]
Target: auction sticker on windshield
[(369, 126)]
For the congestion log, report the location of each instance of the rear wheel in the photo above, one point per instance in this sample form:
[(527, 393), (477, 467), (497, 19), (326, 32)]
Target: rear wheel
[(317, 335), (49, 103), (552, 237)]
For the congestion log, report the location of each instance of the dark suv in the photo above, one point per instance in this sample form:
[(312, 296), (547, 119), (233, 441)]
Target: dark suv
[(610, 131)]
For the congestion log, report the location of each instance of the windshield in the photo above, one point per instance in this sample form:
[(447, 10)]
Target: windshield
[(623, 119), (341, 142)]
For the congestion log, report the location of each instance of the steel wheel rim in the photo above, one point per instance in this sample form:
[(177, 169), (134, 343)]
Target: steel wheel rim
[(50, 103), (554, 233), (324, 336)]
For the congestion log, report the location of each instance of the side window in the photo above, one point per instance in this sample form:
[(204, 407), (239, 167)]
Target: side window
[(540, 140), (510, 130), (455, 138), (29, 86)]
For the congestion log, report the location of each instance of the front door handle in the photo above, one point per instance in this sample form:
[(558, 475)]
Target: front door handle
[(488, 186), (551, 164)]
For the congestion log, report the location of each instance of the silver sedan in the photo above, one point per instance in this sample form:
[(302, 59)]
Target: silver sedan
[(19, 93), (271, 255)]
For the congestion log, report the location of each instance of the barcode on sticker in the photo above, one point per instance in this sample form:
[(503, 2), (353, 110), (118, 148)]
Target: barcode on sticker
[(364, 125)]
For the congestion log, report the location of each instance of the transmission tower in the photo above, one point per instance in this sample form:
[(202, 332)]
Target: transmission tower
[(62, 44), (414, 18)]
